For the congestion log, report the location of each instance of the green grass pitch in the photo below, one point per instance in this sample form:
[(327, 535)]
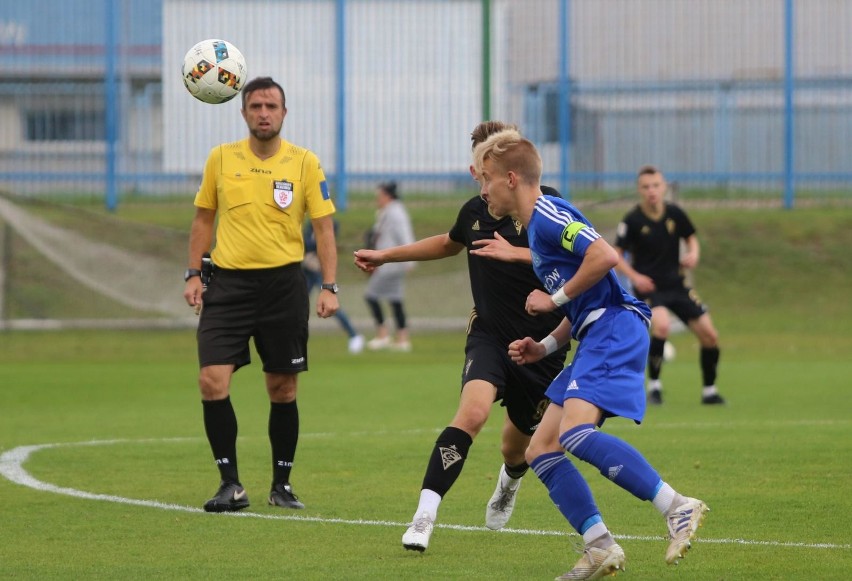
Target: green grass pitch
[(121, 467)]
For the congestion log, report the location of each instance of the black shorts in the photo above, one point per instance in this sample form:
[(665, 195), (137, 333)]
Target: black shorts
[(682, 301), (270, 305), (520, 388)]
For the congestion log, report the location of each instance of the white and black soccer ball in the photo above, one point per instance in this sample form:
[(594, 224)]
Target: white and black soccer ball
[(214, 71)]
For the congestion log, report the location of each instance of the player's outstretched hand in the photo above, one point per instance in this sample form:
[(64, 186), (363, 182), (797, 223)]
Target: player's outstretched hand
[(526, 350), (499, 248), (368, 260)]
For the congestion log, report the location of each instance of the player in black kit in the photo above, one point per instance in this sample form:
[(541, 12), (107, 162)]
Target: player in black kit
[(651, 233), (501, 278)]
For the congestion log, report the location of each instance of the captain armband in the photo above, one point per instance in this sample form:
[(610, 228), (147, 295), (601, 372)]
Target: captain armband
[(559, 298), (550, 345)]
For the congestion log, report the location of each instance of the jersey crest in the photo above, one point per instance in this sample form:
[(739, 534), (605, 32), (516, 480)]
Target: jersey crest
[(518, 225), (282, 193)]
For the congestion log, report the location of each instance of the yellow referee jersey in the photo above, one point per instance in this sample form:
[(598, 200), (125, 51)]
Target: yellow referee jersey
[(261, 204)]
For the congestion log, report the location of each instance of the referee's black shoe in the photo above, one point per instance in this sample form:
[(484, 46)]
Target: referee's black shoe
[(229, 498), (282, 495), (714, 399)]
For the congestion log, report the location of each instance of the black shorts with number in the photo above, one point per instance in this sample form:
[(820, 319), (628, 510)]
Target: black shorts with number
[(683, 301), (270, 305), (520, 388)]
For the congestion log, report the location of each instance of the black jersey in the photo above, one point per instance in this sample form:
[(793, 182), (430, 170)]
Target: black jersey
[(500, 288), (654, 245)]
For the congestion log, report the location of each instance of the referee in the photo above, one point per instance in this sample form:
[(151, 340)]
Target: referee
[(255, 194)]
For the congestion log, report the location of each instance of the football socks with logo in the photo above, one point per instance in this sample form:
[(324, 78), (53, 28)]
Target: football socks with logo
[(283, 436), (447, 460), (567, 488), (220, 424), (615, 458)]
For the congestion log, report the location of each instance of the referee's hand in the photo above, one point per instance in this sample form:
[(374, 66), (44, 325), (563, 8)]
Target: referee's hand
[(327, 304), (192, 293)]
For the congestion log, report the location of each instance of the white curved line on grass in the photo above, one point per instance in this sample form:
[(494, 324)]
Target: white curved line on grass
[(12, 468)]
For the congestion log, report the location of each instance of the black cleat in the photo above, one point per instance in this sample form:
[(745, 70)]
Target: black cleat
[(714, 399), (282, 495), (655, 397), (229, 498)]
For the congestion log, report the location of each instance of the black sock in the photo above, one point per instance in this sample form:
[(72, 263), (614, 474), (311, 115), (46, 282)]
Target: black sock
[(709, 362), (655, 358), (220, 423), (517, 471), (447, 460), (283, 436)]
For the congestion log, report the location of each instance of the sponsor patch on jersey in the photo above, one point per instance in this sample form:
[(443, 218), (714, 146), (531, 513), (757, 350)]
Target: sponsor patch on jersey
[(324, 190), (569, 235), (282, 193)]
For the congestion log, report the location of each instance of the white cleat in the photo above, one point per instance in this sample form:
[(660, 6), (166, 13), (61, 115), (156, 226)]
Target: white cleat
[(356, 344), (683, 523), (378, 343), (596, 563), (416, 538), (502, 503)]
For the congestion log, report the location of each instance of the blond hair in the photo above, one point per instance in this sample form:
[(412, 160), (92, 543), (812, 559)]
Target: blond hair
[(510, 151)]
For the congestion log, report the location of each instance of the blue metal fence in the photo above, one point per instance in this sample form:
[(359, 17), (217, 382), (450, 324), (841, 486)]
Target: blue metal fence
[(751, 98)]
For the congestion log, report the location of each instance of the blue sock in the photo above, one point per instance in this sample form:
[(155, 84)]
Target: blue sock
[(568, 490), (616, 459)]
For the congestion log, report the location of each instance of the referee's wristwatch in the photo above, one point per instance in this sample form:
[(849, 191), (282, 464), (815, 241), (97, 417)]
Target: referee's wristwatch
[(330, 286), (190, 272)]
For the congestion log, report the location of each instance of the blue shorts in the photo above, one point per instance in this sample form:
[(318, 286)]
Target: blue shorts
[(609, 366)]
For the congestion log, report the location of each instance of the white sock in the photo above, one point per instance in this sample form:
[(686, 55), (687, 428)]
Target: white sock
[(429, 502), (708, 390), (655, 385), (594, 532), (664, 498)]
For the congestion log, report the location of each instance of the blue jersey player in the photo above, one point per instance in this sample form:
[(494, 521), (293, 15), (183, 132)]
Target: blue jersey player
[(606, 376)]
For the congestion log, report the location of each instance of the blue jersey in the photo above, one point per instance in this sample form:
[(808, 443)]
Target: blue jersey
[(559, 236)]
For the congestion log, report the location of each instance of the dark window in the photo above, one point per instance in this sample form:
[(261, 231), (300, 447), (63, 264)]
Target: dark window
[(541, 113), (58, 125)]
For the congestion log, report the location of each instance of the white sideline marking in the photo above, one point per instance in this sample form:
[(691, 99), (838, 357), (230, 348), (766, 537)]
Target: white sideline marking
[(12, 461)]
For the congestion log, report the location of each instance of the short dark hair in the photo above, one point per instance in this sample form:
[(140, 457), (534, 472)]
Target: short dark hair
[(647, 170), (260, 83), (486, 129), (390, 188)]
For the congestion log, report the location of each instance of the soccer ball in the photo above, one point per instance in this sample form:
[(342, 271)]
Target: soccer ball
[(214, 71)]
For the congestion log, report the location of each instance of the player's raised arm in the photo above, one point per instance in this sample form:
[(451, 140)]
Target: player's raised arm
[(431, 248)]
